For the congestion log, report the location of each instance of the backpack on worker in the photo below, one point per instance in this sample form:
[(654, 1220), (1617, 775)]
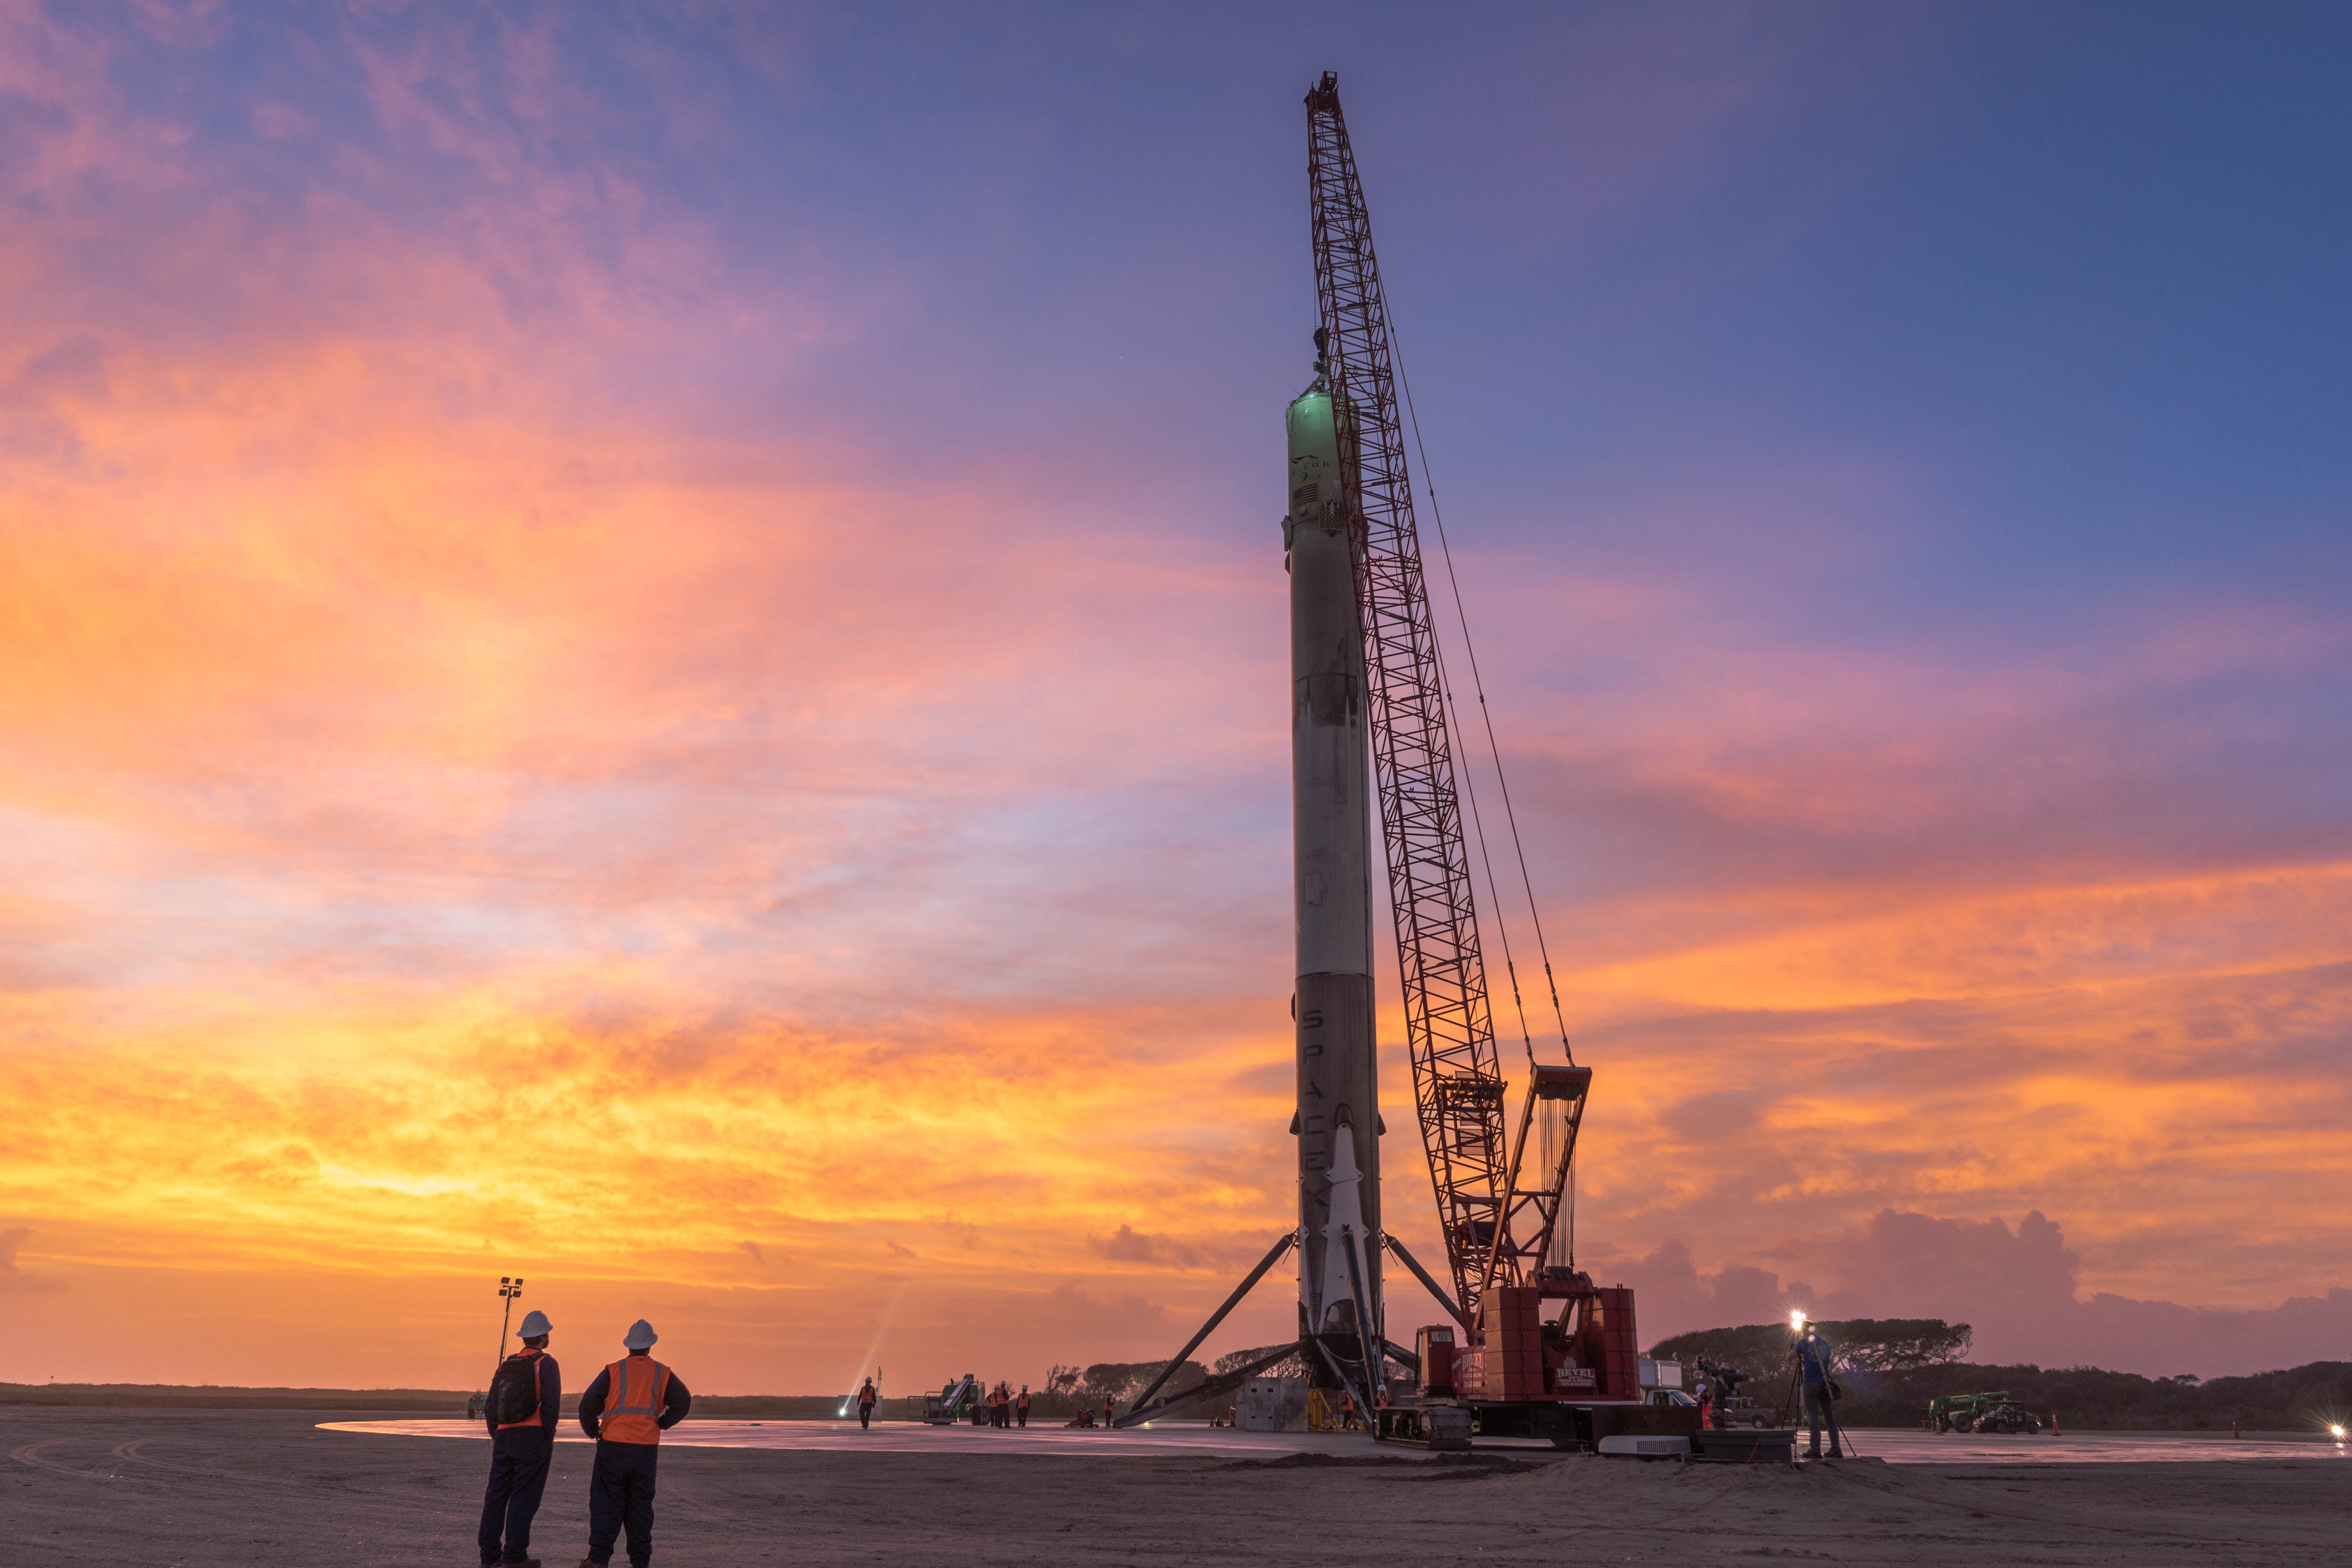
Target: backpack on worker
[(514, 1392)]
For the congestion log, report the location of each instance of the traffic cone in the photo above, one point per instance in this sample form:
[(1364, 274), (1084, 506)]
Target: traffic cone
[(2053, 1425)]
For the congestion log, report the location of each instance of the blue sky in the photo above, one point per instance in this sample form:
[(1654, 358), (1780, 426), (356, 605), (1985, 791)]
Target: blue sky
[(699, 539)]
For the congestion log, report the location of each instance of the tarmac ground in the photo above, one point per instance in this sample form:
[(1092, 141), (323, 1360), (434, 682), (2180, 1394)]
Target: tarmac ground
[(1902, 1447), (205, 1487)]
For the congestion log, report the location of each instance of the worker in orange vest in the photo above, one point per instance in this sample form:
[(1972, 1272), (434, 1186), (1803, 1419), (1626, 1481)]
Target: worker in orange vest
[(529, 1390), (1021, 1406), (626, 1410), (866, 1398)]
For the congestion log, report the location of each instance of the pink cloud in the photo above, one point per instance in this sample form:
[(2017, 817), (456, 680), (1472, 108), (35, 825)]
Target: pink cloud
[(463, 672), (2016, 1288)]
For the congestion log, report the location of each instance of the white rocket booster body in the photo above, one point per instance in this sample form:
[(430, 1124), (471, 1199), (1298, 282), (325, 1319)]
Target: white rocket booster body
[(1338, 1120)]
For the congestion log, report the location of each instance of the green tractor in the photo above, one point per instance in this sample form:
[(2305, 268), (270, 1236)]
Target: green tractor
[(1979, 1412), (961, 1400)]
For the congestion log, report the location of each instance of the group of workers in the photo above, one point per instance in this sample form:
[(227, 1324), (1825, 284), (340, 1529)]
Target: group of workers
[(1006, 1408), (627, 1408)]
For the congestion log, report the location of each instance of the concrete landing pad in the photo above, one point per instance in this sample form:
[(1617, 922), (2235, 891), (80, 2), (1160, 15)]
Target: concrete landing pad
[(235, 1489), (1170, 1440), (2084, 1448), (915, 1438)]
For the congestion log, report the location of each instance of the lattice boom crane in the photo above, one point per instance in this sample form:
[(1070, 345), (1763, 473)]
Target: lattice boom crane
[(1537, 1349), (1458, 1085)]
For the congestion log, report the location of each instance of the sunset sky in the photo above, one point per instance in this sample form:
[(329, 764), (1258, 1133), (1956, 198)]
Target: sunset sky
[(645, 646)]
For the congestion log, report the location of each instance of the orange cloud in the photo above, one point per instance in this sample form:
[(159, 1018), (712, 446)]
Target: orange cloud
[(502, 774)]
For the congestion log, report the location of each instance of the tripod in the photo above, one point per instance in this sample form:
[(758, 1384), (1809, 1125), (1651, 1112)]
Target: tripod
[(1841, 1440)]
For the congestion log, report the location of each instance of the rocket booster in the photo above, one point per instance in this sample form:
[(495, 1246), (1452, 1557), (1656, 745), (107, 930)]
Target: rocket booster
[(1338, 1120)]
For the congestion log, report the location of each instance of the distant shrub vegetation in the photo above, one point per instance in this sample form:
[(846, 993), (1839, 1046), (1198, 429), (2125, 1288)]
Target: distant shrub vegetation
[(1863, 1344), (1892, 1367)]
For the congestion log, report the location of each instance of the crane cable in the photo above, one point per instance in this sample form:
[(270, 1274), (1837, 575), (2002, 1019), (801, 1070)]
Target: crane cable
[(1479, 830), (1469, 780), (1487, 716), (1493, 890)]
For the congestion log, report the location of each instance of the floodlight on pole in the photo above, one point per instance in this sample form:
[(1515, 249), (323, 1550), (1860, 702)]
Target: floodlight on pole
[(507, 1290)]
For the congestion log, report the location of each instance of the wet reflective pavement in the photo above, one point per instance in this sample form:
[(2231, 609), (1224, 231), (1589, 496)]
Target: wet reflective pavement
[(2081, 1448), (1901, 1447), (231, 1488), (917, 1438)]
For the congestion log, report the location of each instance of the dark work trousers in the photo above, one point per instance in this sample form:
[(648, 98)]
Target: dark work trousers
[(865, 1416), (620, 1491), (518, 1459), (1819, 1407), (1021, 1414)]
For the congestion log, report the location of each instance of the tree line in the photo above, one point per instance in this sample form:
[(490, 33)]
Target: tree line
[(1892, 1367)]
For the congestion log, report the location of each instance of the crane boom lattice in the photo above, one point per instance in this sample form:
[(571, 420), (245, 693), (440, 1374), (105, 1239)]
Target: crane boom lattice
[(1449, 1029)]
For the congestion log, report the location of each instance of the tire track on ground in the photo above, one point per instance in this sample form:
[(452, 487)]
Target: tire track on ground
[(355, 1487), (1985, 1510), (30, 1454)]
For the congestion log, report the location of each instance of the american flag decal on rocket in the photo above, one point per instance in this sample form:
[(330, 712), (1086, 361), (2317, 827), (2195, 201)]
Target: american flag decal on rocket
[(1307, 494)]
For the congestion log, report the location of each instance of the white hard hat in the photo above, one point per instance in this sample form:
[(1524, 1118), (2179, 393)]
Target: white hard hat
[(640, 1337), (534, 1323)]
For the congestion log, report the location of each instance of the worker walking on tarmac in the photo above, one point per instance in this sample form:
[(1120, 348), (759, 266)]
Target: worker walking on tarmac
[(525, 1400), (866, 1398), (1813, 1355), (1020, 1408), (631, 1402)]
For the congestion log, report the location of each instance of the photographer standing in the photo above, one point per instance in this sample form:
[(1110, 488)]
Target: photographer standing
[(1813, 1355), (521, 1407)]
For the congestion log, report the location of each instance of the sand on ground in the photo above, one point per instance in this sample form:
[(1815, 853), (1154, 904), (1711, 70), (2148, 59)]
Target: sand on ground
[(204, 1487)]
